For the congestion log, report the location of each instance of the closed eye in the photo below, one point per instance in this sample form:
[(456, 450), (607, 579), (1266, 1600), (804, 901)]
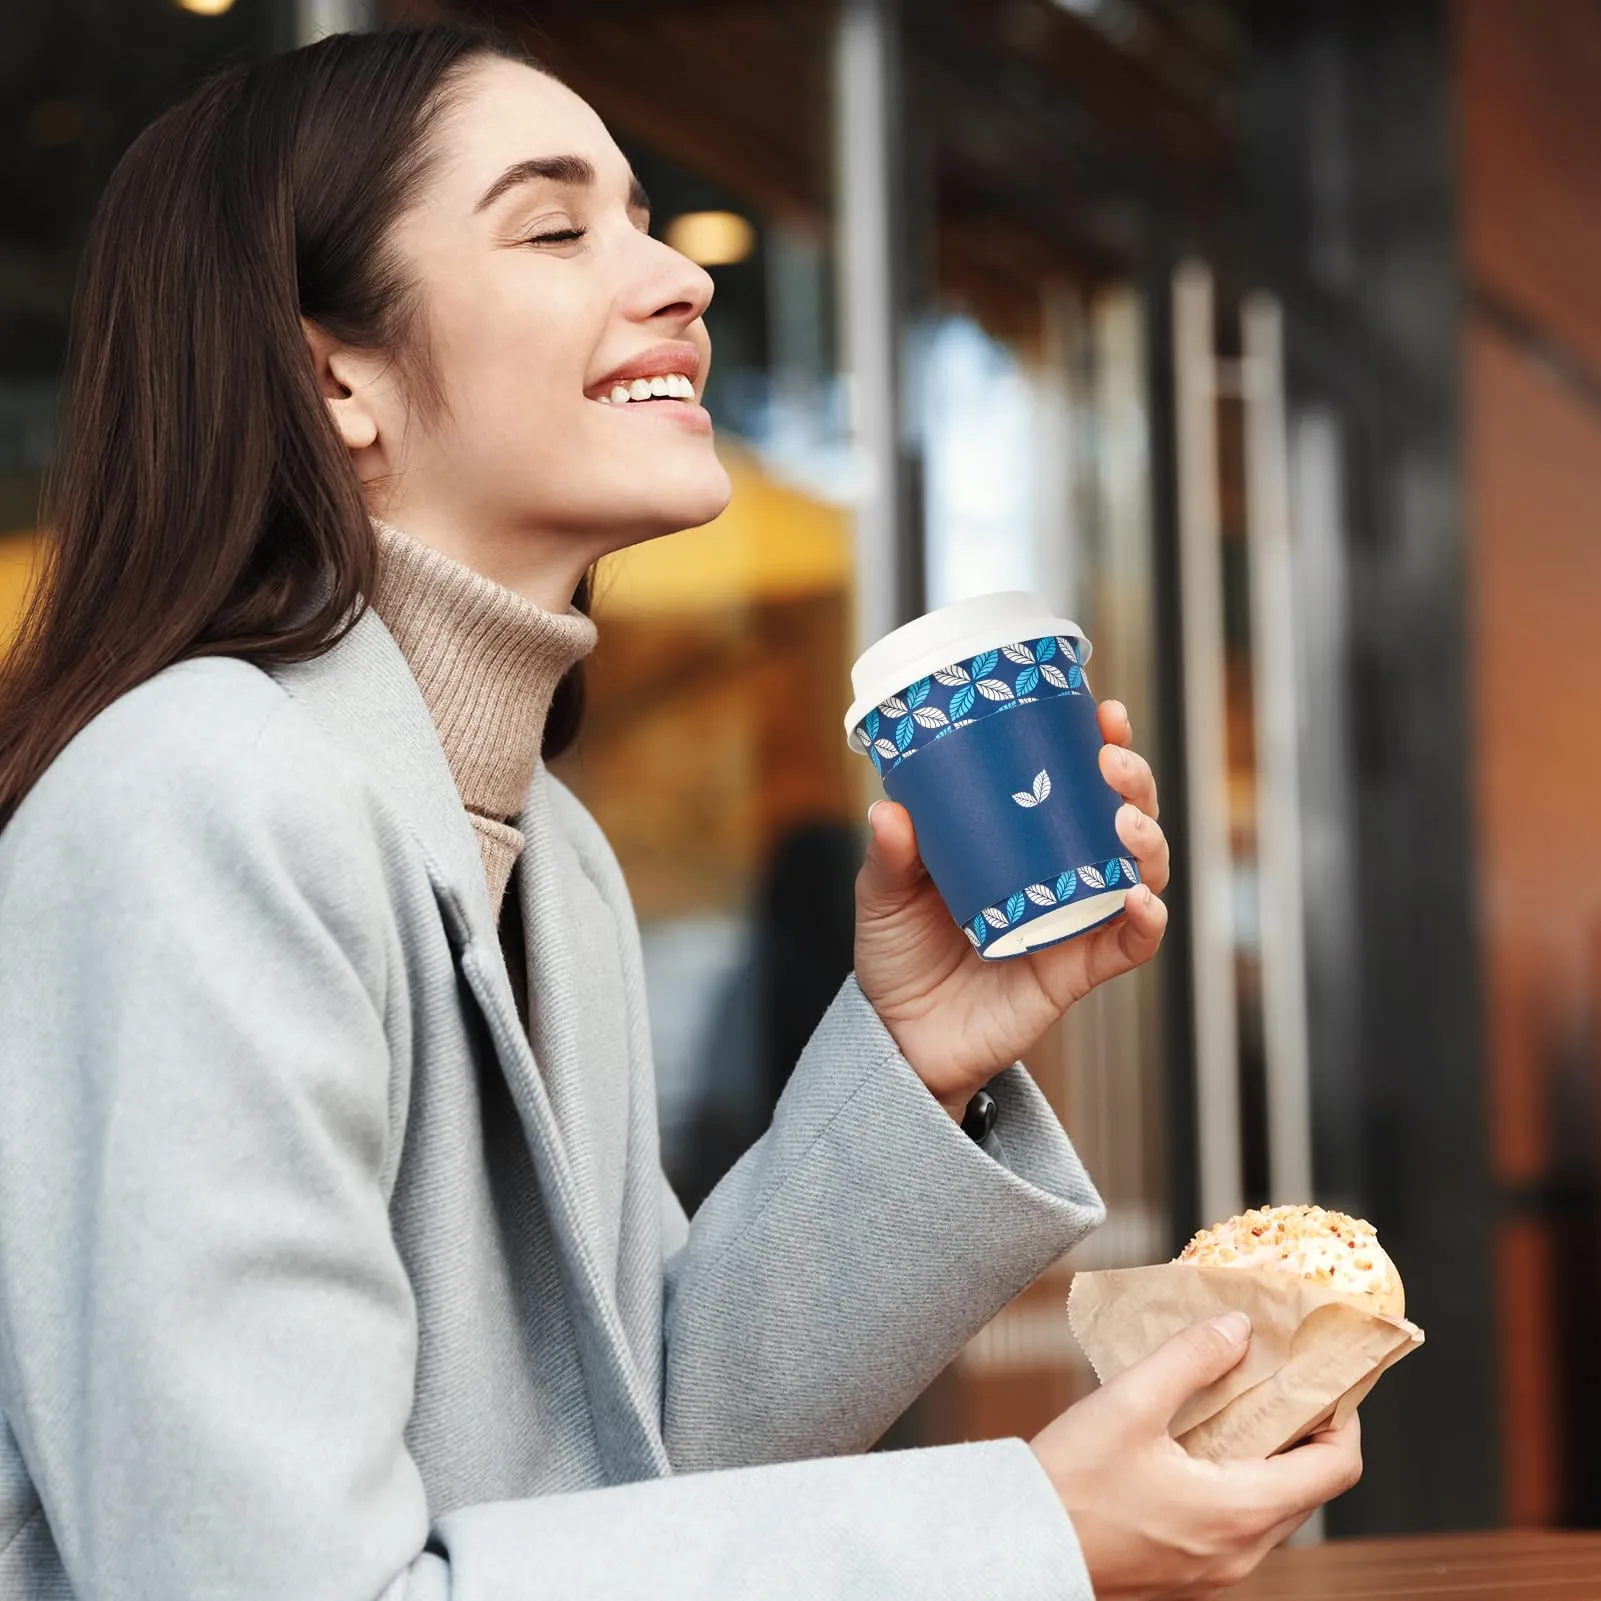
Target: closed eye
[(562, 236)]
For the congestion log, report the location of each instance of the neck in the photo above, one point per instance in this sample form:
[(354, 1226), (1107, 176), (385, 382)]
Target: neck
[(487, 660), (541, 567)]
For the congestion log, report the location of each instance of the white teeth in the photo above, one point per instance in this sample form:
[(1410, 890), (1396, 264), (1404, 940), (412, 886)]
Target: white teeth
[(664, 386)]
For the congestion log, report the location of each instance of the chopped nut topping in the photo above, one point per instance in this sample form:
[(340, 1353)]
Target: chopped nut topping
[(1327, 1248)]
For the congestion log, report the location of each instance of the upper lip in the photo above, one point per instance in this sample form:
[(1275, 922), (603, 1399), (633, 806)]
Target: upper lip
[(674, 356)]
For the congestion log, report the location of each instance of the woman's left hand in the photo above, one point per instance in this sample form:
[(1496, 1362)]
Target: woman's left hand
[(957, 1018)]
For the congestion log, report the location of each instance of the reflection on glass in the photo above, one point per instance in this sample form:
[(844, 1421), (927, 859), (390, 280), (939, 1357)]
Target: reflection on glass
[(981, 501)]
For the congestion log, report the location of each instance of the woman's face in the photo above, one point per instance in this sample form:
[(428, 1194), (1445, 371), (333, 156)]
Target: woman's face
[(547, 313)]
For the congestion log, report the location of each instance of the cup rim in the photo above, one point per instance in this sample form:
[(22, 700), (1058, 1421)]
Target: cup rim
[(1032, 618)]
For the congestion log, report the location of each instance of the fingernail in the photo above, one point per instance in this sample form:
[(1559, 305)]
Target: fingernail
[(870, 810), (1235, 1327)]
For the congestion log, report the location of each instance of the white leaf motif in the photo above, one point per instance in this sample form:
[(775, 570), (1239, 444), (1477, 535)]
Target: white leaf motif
[(951, 676), (1054, 676), (1018, 653), (886, 747), (1092, 877), (994, 689), (1040, 894), (1042, 786), (1128, 869), (963, 722), (994, 917), (971, 936), (1023, 798), (893, 707), (929, 717)]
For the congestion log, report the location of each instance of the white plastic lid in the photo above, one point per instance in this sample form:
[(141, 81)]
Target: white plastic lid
[(950, 634)]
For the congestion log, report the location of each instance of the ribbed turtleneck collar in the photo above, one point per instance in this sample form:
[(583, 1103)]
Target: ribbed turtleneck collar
[(488, 663)]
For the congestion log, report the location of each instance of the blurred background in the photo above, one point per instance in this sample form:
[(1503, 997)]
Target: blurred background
[(1265, 340)]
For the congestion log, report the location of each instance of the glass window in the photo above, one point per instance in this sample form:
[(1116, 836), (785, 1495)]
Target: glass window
[(78, 81)]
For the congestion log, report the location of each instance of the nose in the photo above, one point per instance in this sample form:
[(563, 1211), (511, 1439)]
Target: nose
[(670, 288)]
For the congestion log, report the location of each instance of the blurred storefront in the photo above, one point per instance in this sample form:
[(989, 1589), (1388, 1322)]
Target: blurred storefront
[(1224, 324)]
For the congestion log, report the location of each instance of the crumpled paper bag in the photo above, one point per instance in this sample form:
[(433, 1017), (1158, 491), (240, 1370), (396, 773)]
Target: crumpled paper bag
[(1312, 1360)]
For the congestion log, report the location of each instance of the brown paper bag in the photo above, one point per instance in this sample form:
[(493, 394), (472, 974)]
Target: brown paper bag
[(1313, 1357)]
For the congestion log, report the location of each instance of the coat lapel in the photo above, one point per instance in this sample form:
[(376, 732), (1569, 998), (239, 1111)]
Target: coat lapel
[(364, 695)]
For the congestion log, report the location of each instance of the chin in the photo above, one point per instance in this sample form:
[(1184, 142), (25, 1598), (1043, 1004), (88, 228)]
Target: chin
[(647, 499), (689, 503)]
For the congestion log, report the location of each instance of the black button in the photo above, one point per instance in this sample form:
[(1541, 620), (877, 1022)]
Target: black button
[(979, 1118)]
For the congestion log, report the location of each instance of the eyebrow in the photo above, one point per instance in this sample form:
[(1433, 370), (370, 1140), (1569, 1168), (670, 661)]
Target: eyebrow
[(576, 170)]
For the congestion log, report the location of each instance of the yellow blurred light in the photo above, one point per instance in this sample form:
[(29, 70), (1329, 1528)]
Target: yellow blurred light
[(20, 554), (773, 543), (712, 238), (206, 8)]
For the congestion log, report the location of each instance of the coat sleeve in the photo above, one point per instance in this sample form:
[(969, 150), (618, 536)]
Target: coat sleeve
[(854, 1249), (207, 1336)]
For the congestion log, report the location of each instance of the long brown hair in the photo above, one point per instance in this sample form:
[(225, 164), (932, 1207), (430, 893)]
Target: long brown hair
[(201, 502)]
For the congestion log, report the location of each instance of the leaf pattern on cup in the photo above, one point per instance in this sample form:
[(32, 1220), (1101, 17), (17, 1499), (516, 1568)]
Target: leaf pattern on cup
[(961, 692), (1036, 900), (1038, 794)]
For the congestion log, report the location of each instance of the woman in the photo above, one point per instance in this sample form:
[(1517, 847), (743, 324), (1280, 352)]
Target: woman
[(335, 1259)]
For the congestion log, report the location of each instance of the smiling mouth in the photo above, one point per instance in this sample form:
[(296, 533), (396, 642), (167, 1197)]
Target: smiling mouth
[(663, 386)]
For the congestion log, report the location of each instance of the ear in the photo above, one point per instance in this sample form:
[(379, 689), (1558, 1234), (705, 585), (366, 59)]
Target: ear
[(343, 385)]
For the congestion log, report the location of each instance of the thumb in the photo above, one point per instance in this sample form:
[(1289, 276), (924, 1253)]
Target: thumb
[(893, 867), (1157, 1387)]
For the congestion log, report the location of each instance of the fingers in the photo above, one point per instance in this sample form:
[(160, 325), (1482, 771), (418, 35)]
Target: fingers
[(1293, 1483), (1130, 775), (1147, 844), (1153, 1390), (1118, 948), (1139, 935), (1116, 729), (893, 865), (1266, 1502), (1278, 1534)]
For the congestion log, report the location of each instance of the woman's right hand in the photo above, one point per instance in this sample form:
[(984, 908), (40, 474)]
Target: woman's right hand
[(1155, 1523)]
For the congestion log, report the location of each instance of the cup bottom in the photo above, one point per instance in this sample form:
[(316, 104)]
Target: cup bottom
[(1065, 923)]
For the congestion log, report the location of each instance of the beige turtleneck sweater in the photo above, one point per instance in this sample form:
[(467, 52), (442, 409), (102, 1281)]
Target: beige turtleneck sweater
[(488, 663)]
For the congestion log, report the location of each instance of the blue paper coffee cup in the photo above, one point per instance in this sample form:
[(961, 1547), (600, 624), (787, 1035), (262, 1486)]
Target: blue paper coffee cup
[(980, 721)]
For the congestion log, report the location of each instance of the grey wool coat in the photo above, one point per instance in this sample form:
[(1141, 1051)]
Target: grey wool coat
[(315, 1285)]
